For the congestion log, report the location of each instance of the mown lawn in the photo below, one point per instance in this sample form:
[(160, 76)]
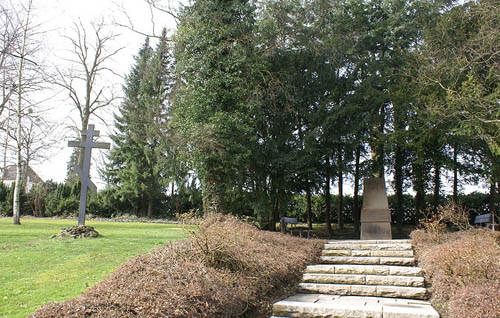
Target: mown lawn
[(35, 270)]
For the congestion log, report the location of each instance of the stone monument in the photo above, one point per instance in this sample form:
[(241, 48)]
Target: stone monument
[(375, 214)]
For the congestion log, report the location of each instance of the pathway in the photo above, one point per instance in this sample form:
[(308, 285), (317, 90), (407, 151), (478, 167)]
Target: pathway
[(369, 279)]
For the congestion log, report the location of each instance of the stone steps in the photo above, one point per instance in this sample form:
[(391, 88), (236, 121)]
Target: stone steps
[(361, 279), (364, 260), (324, 306), (353, 279), (369, 246), (368, 253), (365, 270), (365, 290)]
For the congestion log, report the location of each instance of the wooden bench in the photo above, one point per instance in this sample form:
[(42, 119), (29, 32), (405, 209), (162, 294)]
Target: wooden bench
[(486, 220), (285, 221)]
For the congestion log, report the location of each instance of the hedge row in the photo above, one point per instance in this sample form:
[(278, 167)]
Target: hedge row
[(463, 269), (228, 269)]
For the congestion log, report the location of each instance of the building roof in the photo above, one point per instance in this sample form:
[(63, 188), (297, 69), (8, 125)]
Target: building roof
[(9, 173)]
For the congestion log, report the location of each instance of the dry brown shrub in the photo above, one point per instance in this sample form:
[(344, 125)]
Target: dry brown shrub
[(459, 264), (229, 269), (435, 223), (479, 301)]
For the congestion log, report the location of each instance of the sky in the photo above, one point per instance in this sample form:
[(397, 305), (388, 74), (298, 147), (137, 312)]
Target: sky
[(58, 17)]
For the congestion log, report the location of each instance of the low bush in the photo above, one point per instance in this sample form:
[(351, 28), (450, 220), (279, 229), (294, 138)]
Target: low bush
[(463, 269), (228, 269)]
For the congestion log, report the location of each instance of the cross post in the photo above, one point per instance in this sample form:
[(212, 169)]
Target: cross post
[(84, 174)]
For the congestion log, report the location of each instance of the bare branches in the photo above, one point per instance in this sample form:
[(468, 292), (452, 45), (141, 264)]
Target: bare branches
[(155, 8), (10, 30), (91, 53)]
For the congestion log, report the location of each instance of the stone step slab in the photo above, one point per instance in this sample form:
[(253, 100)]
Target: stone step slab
[(328, 306), (365, 270), (369, 242), (386, 280), (361, 260), (373, 247), (365, 290), (369, 253)]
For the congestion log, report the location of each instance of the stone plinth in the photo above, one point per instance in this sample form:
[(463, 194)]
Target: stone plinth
[(375, 214)]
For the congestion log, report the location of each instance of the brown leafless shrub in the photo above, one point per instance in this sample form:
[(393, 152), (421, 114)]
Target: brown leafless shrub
[(478, 301), (190, 217), (459, 265), (228, 269), (435, 223), (456, 215)]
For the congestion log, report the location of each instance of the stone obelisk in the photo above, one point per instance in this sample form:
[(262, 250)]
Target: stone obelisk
[(375, 214)]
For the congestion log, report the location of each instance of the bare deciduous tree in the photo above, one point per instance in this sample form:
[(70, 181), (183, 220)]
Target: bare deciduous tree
[(24, 79), (9, 34), (83, 81)]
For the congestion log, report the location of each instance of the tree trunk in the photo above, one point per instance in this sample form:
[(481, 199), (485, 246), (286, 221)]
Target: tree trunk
[(24, 173), (419, 187), (340, 199), (377, 145), (5, 145), (274, 214), (210, 197), (356, 210), (150, 207), (398, 184), (308, 208), (455, 174), (491, 204), (328, 199), (16, 209), (437, 185), (16, 213)]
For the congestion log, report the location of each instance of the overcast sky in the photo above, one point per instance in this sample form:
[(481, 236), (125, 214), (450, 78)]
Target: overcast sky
[(58, 16)]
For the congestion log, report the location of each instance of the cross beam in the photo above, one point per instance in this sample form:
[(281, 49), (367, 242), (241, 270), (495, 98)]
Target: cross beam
[(87, 144)]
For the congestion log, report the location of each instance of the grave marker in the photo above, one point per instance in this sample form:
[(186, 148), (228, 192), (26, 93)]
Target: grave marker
[(87, 145)]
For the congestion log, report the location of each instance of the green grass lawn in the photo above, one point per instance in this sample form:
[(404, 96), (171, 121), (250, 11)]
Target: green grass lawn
[(35, 270)]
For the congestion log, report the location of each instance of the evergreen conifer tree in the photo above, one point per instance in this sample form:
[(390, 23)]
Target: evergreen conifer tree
[(137, 161)]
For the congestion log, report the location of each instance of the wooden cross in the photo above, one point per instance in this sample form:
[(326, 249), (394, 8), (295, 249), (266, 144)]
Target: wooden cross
[(88, 144)]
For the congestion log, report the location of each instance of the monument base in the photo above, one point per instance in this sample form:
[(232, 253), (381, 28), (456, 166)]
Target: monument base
[(376, 231), (375, 215)]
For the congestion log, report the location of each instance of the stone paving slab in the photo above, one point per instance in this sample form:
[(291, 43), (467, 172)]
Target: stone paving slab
[(383, 253), (369, 241), (365, 269), (374, 247), (334, 306), (401, 261), (356, 279), (365, 290)]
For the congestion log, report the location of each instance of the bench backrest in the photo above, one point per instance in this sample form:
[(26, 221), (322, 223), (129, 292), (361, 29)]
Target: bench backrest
[(287, 220), (483, 218)]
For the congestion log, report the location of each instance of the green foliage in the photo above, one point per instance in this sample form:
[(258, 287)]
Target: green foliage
[(215, 55), (5, 199), (461, 61), (139, 168)]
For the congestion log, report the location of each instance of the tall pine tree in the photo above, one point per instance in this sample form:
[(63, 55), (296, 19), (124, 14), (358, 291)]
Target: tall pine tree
[(137, 169)]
